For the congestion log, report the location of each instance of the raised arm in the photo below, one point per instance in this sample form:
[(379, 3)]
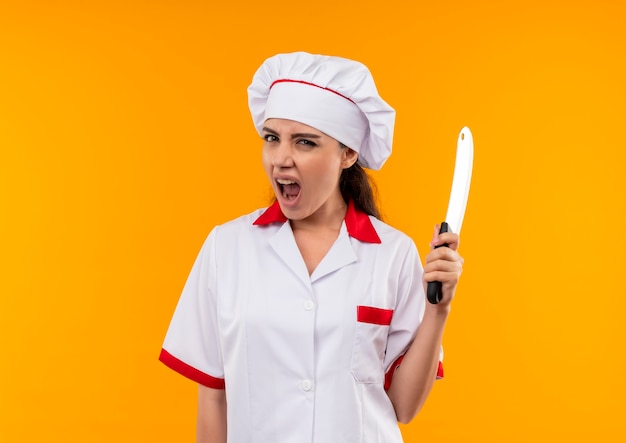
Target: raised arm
[(414, 378)]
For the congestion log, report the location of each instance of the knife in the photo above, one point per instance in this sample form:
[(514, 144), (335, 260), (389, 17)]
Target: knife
[(458, 198)]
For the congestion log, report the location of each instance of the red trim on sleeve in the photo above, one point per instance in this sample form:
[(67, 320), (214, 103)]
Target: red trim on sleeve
[(371, 314), (391, 371), (190, 372), (396, 365)]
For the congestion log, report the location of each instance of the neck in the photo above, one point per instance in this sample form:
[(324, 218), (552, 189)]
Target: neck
[(329, 217)]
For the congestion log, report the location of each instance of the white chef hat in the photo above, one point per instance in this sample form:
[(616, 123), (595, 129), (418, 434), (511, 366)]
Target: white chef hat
[(334, 95)]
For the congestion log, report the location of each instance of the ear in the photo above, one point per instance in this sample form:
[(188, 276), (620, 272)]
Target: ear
[(349, 157)]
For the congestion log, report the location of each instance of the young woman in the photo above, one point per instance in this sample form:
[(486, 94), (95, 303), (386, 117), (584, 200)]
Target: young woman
[(306, 321)]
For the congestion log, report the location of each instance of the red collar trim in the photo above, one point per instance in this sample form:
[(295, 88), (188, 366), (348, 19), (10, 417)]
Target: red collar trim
[(273, 214), (358, 222)]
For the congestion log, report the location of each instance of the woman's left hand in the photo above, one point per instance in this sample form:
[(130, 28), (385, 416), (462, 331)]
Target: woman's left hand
[(444, 265)]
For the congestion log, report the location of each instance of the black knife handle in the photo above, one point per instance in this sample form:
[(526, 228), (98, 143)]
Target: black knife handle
[(433, 291)]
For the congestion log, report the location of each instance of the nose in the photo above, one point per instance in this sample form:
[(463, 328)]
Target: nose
[(282, 157)]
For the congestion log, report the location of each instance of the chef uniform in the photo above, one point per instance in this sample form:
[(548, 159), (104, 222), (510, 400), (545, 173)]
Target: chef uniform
[(304, 358)]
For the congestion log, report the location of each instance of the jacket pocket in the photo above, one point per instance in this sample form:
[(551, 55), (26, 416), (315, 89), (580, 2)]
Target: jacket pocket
[(370, 342)]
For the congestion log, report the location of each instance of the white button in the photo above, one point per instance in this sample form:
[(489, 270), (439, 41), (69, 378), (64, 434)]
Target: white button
[(307, 385), (308, 305)]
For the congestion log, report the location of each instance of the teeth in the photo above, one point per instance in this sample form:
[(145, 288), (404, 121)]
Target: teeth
[(282, 181)]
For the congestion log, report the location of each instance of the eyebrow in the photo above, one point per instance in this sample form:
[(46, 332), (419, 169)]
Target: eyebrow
[(296, 135)]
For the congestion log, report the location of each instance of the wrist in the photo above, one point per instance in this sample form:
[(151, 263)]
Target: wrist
[(439, 311)]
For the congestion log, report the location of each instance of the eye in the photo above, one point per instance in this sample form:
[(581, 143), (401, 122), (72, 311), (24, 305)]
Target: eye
[(270, 138), (308, 143)]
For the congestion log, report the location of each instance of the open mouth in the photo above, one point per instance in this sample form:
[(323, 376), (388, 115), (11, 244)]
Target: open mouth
[(289, 189)]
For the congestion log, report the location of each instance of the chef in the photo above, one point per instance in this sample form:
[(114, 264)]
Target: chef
[(306, 321)]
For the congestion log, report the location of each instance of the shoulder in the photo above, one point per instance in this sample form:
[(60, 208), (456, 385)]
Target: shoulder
[(242, 222), (240, 228), (395, 241), (233, 236), (389, 234)]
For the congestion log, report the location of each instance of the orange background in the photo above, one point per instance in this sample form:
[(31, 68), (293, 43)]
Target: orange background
[(125, 136)]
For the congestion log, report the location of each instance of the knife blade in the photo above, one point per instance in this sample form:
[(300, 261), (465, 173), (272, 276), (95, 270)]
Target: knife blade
[(458, 198)]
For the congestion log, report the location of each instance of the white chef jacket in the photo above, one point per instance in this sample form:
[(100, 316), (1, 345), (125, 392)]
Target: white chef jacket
[(303, 358)]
